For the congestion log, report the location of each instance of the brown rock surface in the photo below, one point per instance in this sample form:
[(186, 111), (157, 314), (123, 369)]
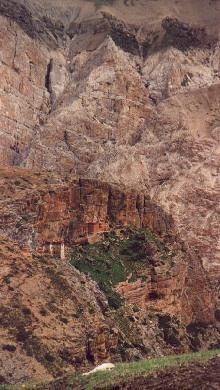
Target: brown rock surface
[(57, 316), (127, 94), (53, 318), (45, 208), (24, 100), (120, 100), (38, 206)]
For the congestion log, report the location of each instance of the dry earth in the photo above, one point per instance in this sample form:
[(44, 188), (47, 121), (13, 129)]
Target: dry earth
[(52, 318)]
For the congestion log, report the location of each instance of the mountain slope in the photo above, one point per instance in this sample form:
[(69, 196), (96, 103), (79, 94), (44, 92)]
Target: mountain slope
[(120, 92), (144, 293), (98, 96)]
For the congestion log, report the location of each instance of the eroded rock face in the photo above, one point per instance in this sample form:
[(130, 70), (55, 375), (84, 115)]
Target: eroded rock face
[(109, 96), (185, 173), (24, 99), (57, 315), (46, 209), (182, 36)]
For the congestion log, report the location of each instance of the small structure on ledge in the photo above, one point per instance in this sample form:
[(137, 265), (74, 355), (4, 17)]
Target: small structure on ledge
[(98, 227), (53, 248), (92, 227)]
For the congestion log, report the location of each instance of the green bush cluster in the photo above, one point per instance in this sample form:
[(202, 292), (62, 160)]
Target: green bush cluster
[(114, 259), (106, 274)]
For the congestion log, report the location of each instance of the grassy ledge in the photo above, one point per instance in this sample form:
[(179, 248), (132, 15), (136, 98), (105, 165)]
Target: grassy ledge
[(104, 379)]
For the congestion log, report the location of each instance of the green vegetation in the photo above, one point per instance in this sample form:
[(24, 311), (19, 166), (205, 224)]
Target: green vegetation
[(141, 245), (104, 379), (109, 263), (121, 372), (103, 267), (130, 256), (114, 260)]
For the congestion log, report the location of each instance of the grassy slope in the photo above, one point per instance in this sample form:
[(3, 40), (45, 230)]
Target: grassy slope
[(121, 372), (105, 379)]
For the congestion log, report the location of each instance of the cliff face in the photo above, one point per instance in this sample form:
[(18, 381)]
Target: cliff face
[(54, 318), (126, 95), (24, 99), (47, 209), (106, 95)]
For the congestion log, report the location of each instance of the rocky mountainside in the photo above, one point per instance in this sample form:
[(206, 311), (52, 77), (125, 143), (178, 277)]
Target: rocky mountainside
[(36, 210), (132, 100), (48, 318), (144, 293), (98, 98)]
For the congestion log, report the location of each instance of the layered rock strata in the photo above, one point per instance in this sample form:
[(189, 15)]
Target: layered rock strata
[(88, 92), (45, 209), (131, 98)]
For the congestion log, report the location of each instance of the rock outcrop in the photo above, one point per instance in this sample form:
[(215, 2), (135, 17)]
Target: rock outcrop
[(53, 316), (47, 209)]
